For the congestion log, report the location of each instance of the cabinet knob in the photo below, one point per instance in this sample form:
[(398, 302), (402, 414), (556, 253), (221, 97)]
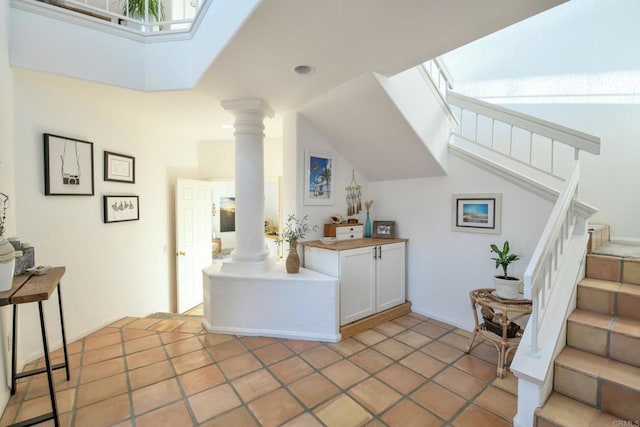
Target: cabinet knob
[(181, 253)]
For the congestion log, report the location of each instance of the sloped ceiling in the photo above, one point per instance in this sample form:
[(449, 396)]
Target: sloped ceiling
[(341, 40)]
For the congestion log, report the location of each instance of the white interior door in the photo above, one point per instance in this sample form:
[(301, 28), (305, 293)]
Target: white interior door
[(193, 239)]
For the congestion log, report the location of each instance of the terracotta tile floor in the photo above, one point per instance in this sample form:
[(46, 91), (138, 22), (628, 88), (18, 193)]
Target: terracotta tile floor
[(167, 371)]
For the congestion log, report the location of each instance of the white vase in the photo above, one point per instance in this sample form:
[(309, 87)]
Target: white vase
[(7, 264), (511, 288)]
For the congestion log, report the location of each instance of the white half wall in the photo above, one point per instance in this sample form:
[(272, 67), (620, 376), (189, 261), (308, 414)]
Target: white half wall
[(443, 266)]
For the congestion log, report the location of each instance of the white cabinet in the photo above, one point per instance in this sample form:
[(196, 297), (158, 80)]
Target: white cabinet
[(372, 278)]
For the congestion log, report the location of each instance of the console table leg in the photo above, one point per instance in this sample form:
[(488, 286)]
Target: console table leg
[(47, 362), (64, 336), (14, 353)]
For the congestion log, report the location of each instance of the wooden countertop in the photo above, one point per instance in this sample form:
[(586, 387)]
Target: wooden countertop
[(30, 288), (343, 245)]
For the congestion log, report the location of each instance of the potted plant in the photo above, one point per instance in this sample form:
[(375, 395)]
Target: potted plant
[(507, 287), (136, 9), (295, 229), (7, 253)]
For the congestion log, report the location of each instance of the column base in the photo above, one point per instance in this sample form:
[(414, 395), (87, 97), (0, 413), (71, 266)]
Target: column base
[(248, 268)]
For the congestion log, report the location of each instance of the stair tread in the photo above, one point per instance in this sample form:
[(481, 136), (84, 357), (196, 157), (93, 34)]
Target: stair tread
[(564, 411), (579, 360), (630, 288), (591, 318), (605, 285), (628, 327), (600, 367)]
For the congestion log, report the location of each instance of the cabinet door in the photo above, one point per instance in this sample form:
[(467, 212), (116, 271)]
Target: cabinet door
[(357, 284), (390, 275)]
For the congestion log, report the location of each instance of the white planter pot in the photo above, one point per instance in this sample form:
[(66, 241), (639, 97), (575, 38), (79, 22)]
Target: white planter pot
[(7, 264), (511, 288)]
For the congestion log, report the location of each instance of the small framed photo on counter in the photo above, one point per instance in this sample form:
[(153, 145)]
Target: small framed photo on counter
[(384, 229)]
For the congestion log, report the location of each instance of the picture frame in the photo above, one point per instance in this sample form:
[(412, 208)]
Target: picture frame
[(119, 167), (120, 208), (319, 178), (227, 214), (68, 166), (477, 213), (384, 230)]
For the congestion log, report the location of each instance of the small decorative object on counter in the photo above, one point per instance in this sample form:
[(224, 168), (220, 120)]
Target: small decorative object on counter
[(7, 264), (367, 222), (294, 230)]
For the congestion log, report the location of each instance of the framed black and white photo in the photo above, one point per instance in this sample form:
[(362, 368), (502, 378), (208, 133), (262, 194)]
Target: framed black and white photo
[(119, 167), (477, 213), (121, 208), (384, 229), (318, 184), (68, 166)]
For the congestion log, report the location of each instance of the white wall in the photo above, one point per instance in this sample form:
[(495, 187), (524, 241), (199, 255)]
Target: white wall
[(113, 270), (608, 181), (301, 136), (444, 265), (7, 180)]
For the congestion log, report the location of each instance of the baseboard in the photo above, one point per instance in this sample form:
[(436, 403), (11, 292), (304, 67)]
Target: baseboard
[(374, 320), (274, 333)]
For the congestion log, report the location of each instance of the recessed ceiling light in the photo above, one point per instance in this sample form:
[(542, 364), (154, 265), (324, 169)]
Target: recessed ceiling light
[(302, 69), (226, 126)]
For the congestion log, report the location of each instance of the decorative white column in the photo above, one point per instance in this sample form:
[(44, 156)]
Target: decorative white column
[(250, 255)]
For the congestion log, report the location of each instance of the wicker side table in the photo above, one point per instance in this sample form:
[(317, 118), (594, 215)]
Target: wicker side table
[(504, 313)]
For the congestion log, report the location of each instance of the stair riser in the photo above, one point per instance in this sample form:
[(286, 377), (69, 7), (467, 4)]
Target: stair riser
[(614, 269), (604, 342), (620, 401), (631, 271), (619, 304), (616, 399)]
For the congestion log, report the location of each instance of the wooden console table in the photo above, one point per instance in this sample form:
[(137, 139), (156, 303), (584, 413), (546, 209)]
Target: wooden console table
[(505, 312), (31, 288)]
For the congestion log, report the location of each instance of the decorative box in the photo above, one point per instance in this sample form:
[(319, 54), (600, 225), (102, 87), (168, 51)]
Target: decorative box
[(344, 231)]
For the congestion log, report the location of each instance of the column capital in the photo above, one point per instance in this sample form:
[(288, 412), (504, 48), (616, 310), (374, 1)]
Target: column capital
[(246, 105)]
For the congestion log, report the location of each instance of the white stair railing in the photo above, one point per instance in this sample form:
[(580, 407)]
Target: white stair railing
[(541, 273), (541, 145), (177, 16)]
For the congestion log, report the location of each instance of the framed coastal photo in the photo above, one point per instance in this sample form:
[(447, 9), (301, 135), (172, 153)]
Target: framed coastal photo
[(319, 177), (121, 208), (119, 167), (477, 213), (384, 229), (68, 166)]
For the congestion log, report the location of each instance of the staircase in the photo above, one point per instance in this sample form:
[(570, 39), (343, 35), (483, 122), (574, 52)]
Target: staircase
[(597, 375)]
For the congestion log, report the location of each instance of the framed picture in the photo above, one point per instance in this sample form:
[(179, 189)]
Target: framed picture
[(121, 208), (477, 213), (384, 229), (68, 166), (318, 184), (119, 167), (227, 214)]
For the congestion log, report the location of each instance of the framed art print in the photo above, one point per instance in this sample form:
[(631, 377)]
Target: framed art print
[(121, 208), (119, 167), (318, 180), (477, 213), (68, 166)]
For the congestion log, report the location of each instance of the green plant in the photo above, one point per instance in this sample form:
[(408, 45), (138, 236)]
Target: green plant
[(137, 8), (296, 228), (504, 258)]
